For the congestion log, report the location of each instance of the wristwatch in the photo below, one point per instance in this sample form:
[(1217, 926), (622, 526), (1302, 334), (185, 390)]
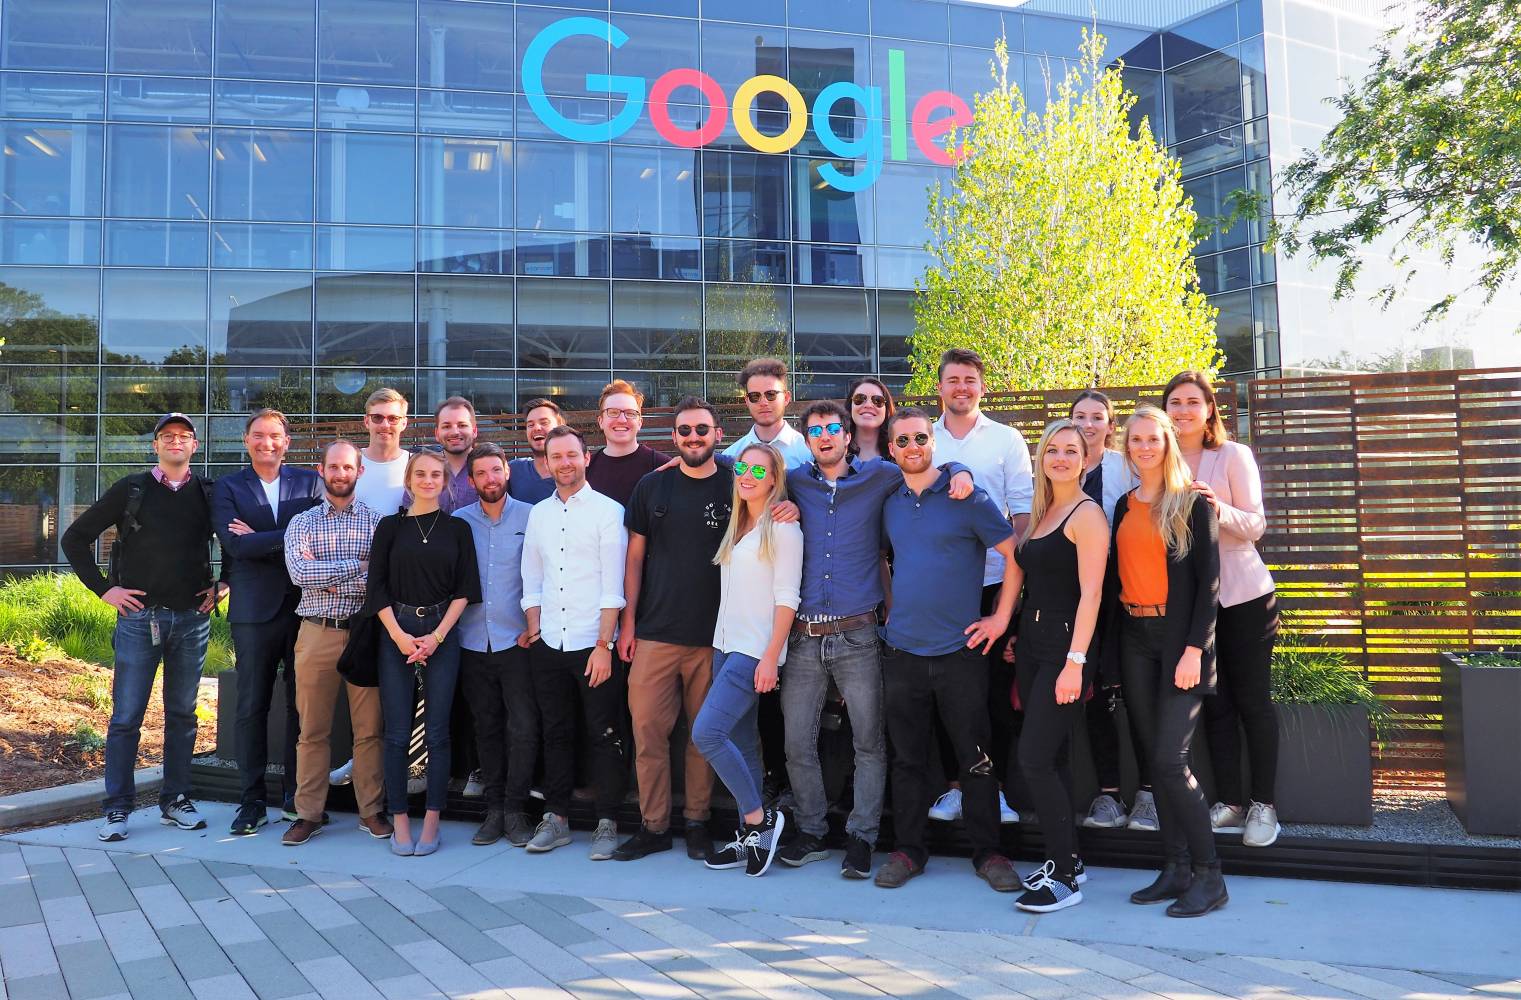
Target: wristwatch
[(1081, 659), (609, 645)]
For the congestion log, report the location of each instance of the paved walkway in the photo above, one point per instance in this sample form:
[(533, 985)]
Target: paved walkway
[(171, 915)]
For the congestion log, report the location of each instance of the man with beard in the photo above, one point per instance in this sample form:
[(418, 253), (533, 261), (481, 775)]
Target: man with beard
[(623, 461), (529, 479), (327, 554), (494, 651), (455, 431)]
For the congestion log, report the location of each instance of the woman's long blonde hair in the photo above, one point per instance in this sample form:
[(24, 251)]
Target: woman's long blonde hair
[(739, 511), (418, 456), (1044, 491), (1173, 511)]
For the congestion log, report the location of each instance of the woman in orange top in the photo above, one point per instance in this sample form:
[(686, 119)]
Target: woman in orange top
[(1161, 589)]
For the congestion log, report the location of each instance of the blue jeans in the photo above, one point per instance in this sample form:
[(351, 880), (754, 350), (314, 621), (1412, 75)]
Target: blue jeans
[(398, 689), (181, 645), (726, 730)]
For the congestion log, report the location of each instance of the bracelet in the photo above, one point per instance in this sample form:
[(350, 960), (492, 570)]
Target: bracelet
[(531, 638), (438, 638)]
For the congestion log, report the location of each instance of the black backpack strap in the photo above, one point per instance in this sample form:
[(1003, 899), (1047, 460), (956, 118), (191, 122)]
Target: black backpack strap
[(663, 500), (127, 524)]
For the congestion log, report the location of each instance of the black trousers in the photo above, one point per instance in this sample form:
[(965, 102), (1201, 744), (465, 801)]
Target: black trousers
[(263, 650), (1243, 699), (1039, 657), (1003, 736), (1103, 725), (952, 689), (499, 692), (559, 684), (462, 735), (1165, 717)]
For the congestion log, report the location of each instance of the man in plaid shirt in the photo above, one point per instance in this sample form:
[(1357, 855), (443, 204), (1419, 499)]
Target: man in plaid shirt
[(327, 553)]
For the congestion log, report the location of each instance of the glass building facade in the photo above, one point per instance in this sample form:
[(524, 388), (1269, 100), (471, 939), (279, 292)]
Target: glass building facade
[(218, 205)]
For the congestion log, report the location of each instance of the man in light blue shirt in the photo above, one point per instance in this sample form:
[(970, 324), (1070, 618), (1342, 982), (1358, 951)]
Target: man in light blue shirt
[(494, 656), (764, 384)]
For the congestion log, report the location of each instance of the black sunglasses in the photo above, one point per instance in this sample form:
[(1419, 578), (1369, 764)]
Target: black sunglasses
[(770, 394), (921, 439), (860, 398), (687, 430)]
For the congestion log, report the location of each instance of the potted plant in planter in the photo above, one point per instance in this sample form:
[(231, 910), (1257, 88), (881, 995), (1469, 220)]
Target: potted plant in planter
[(1481, 738), (1326, 714)]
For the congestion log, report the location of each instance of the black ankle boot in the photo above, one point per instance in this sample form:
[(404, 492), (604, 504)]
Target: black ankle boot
[(1173, 882), (492, 829), (1205, 894)]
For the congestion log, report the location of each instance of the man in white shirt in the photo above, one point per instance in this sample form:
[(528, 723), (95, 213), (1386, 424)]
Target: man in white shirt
[(573, 563), (764, 384), (381, 488)]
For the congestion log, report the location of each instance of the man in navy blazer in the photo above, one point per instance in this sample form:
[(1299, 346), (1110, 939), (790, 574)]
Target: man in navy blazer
[(250, 510)]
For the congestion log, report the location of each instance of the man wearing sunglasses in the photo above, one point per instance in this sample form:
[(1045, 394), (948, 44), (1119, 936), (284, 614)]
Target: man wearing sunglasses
[(764, 384), (618, 466), (383, 487)]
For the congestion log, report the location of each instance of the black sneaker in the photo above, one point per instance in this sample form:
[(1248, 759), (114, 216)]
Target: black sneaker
[(731, 855), (181, 813), (1079, 873), (249, 819), (1049, 893), (857, 863), (804, 849), (642, 844), (761, 842), (699, 840)]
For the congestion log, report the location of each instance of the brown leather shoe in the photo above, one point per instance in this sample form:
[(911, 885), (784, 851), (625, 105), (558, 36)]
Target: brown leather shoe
[(300, 832), (997, 872), (376, 826), (898, 869)]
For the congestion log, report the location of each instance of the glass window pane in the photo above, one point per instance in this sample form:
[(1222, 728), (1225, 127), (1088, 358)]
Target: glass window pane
[(655, 45), (900, 267), (1147, 87), (156, 172), (1233, 327), (903, 203), (45, 441), (377, 109), (464, 251), (1203, 96), (491, 392), (562, 323), (566, 69), (562, 254), (365, 248), (365, 319), (240, 103), (244, 390), (460, 112), (674, 8), (50, 169), (49, 241), (815, 59), (972, 71), (895, 324), (746, 260), (671, 257), (825, 264), (270, 40), (43, 502), (744, 195), (733, 53), (154, 316), (1143, 53), (1211, 197), (260, 318), (741, 322), (752, 11), (665, 389), (262, 175), (1223, 272), (924, 20), (1210, 152), (157, 244), (1254, 78), (572, 390), (52, 95), (831, 330), (365, 178), (562, 185), (342, 391), (654, 190), (985, 25), (368, 41), (839, 15), (153, 389), (823, 212), (49, 389), (466, 182), (150, 36), (1053, 36), (256, 246), (55, 34), (160, 99), (925, 67), (464, 321), (468, 46), (657, 325), (589, 110), (50, 316), (1205, 33)]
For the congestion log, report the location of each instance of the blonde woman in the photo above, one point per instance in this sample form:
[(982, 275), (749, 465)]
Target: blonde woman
[(1162, 583), (761, 569)]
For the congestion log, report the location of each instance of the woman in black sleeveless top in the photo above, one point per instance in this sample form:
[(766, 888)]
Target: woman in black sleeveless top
[(1061, 560)]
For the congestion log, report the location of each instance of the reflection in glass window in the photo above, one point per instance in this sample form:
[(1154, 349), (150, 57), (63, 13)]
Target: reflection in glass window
[(924, 20), (1211, 197), (365, 319), (744, 195), (261, 318), (45, 502), (972, 71), (490, 391), (156, 244), (562, 185), (466, 182), (342, 391), (55, 34), (270, 40), (837, 15), (375, 109), (261, 246), (747, 260), (741, 322), (49, 389), (825, 213), (895, 324), (566, 69), (1147, 87), (1233, 328), (368, 41), (753, 11), (825, 264), (466, 45), (365, 178), (900, 267), (150, 36), (667, 389), (157, 173), (815, 59), (1254, 77), (925, 67), (902, 195), (732, 53), (1053, 36), (1210, 152), (464, 251), (464, 321), (1203, 96), (654, 190), (364, 248), (985, 25), (589, 110), (245, 390), (562, 323), (562, 254), (656, 325), (831, 329), (671, 257), (460, 112), (240, 103), (1223, 272), (571, 390), (160, 99), (655, 45), (51, 315), (50, 169), (49, 241), (262, 175), (52, 95), (154, 316)]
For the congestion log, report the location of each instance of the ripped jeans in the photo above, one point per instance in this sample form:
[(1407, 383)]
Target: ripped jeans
[(953, 687), (559, 679)]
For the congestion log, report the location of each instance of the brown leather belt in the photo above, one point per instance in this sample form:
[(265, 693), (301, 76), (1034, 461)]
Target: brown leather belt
[(1146, 610), (835, 627)]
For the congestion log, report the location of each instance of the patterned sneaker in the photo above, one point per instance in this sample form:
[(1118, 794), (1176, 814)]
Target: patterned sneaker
[(1079, 873), (804, 849), (181, 813), (761, 842), (553, 831), (1006, 812), (731, 855), (1143, 815), (1106, 813), (947, 807), (1226, 819), (1261, 826), (1049, 893), (114, 829), (605, 841)]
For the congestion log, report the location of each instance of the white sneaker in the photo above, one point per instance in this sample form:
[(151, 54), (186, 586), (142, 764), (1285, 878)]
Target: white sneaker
[(1261, 826), (1006, 813), (1143, 815), (114, 829), (343, 775), (605, 841), (1226, 819), (947, 807), (473, 787)]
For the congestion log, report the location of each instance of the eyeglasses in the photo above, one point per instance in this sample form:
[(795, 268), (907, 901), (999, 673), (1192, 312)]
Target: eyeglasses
[(770, 394), (613, 413), (921, 439), (384, 418), (743, 469), (833, 427), (861, 398), (176, 438), (687, 430)]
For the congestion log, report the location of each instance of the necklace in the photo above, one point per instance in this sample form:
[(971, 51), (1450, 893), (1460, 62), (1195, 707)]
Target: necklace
[(418, 521)]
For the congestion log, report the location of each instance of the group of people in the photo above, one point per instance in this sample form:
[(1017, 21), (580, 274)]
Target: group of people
[(568, 607)]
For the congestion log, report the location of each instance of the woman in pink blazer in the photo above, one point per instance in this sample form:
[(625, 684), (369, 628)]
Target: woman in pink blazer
[(1225, 474)]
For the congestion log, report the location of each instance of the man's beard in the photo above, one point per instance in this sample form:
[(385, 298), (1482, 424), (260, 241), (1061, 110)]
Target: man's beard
[(698, 460), (342, 490), (493, 496), (462, 449)]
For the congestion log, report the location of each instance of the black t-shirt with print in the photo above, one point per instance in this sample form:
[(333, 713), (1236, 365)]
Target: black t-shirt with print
[(678, 598)]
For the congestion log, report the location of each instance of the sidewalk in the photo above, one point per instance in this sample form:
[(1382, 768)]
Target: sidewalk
[(171, 914)]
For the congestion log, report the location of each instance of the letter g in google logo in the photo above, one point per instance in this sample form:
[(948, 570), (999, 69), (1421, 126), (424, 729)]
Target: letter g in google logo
[(635, 91)]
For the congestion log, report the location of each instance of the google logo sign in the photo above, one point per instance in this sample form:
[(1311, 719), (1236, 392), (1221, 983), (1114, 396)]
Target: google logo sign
[(934, 114)]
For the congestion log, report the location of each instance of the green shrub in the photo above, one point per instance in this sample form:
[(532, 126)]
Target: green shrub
[(36, 649), (87, 738), (1303, 675), (90, 689), (1500, 659)]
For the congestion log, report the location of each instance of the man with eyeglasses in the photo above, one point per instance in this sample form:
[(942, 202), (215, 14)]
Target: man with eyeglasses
[(382, 488), (622, 461), (529, 478), (935, 644), (764, 384)]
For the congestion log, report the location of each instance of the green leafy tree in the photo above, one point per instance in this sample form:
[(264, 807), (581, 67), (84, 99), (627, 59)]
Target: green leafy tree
[(1063, 244), (1427, 152)]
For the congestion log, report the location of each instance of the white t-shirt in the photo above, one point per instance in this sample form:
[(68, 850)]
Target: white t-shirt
[(382, 484), (272, 494)]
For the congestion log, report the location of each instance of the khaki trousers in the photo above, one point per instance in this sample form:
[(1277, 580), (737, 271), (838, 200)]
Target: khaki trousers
[(663, 680), (317, 686)]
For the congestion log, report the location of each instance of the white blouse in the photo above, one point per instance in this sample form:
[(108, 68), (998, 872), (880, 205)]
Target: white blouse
[(753, 589)]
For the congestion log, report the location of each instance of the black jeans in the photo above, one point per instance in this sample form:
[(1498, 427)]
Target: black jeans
[(1244, 638), (263, 650), (1040, 656), (1104, 739), (1165, 717), (499, 690), (559, 682), (953, 689)]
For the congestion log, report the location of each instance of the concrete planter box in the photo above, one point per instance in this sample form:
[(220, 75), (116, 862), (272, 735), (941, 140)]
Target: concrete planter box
[(1325, 765), (1481, 737), (227, 721)]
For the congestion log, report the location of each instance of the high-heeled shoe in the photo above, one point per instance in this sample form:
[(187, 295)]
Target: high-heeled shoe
[(427, 847), (402, 848)]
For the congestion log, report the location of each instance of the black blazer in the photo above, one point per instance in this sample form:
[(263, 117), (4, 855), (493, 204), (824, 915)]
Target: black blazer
[(1193, 596), (254, 564)]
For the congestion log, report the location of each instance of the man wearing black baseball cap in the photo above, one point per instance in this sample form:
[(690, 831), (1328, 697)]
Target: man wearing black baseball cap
[(160, 584)]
